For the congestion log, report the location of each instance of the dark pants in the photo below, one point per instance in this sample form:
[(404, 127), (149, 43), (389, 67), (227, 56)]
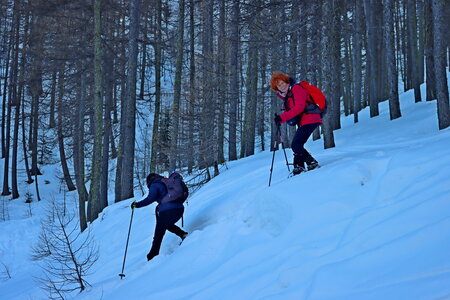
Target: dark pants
[(298, 142), (165, 220)]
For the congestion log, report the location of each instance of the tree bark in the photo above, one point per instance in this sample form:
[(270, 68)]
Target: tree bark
[(252, 90), (394, 104), (177, 88), (223, 86), (208, 106), (192, 92), (156, 117), (94, 205), (371, 56), (62, 152), (429, 49), (234, 82), (413, 51), (327, 63), (78, 144), (440, 53), (130, 117)]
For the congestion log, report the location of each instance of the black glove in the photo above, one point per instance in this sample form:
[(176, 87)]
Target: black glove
[(277, 119), (133, 205)]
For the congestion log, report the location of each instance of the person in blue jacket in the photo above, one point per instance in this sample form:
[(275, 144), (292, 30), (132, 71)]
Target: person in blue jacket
[(167, 214)]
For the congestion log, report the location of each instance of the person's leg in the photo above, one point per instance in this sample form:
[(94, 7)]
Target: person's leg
[(298, 142), (164, 220), (160, 230), (177, 214), (177, 230)]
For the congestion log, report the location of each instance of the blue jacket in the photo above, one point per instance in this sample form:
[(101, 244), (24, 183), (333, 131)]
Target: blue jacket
[(156, 192)]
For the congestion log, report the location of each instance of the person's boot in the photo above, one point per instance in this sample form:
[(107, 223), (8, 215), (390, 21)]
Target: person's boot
[(150, 255), (299, 165), (311, 163)]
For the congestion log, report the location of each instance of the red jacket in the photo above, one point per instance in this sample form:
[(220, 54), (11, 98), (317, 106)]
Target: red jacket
[(296, 102)]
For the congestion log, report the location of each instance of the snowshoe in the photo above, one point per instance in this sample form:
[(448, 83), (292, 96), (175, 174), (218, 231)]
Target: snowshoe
[(313, 165)]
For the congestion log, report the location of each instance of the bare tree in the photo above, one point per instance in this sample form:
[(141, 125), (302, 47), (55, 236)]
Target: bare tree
[(65, 254)]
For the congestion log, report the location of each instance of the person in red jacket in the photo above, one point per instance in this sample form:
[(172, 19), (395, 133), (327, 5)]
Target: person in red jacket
[(296, 104)]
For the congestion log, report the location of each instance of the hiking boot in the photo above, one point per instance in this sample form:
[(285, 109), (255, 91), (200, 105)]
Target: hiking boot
[(313, 165), (150, 256), (297, 170)]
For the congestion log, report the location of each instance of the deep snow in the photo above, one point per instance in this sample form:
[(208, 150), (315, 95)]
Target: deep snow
[(372, 223)]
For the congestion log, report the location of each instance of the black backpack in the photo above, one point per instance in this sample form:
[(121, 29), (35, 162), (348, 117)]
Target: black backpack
[(177, 191)]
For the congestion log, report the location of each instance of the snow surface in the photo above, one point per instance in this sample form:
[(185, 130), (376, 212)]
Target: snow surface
[(372, 223)]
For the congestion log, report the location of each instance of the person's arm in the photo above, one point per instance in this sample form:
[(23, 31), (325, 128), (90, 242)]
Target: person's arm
[(300, 95), (153, 195)]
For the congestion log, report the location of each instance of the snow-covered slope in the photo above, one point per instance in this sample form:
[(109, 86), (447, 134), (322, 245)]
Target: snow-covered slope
[(372, 223)]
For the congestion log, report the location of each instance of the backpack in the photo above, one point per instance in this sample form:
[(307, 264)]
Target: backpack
[(177, 190), (317, 102), (316, 97)]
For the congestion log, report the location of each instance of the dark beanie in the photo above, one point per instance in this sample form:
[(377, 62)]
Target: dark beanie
[(151, 177)]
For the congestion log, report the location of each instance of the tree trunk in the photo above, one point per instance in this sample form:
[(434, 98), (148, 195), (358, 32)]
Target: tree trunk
[(130, 117), (17, 88), (192, 92), (62, 152), (262, 102), (429, 56), (156, 117), (412, 46), (222, 87), (94, 205), (234, 82), (335, 44), (252, 91), (35, 82), (108, 138), (177, 88), (52, 122), (78, 145), (371, 56), (123, 101), (327, 63), (388, 20), (208, 108), (4, 98), (440, 59)]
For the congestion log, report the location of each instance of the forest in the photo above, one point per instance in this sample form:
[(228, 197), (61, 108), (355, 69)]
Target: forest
[(112, 90)]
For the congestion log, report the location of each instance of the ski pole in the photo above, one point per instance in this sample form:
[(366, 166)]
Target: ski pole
[(278, 138), (282, 146), (273, 158), (122, 275)]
